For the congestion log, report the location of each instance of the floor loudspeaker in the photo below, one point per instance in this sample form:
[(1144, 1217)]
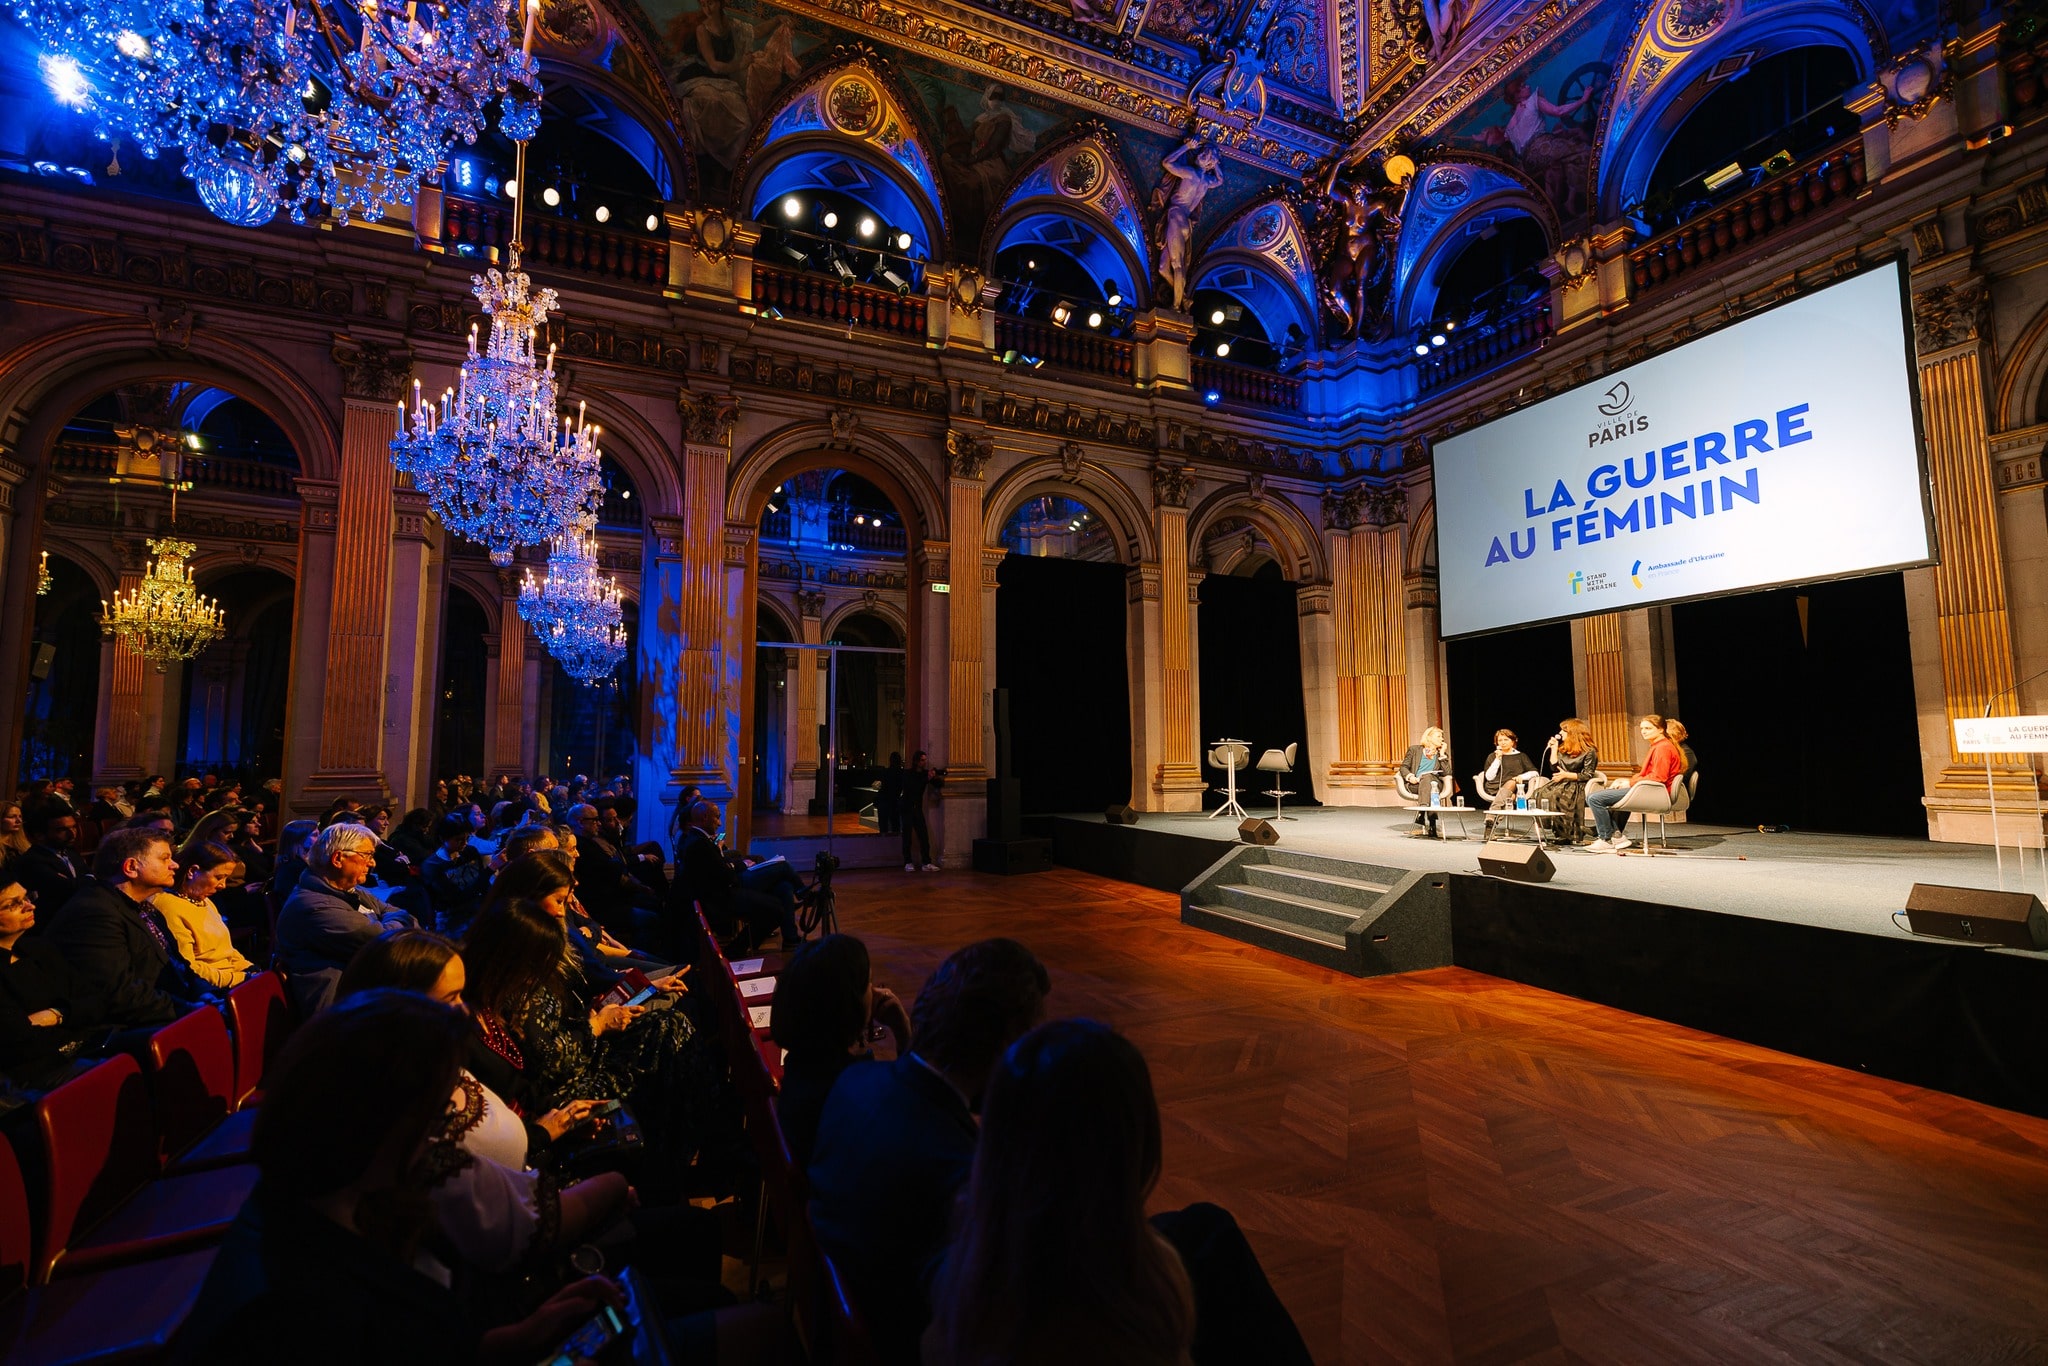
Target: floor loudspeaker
[(1255, 831), (1519, 862), (1121, 814), (2012, 919)]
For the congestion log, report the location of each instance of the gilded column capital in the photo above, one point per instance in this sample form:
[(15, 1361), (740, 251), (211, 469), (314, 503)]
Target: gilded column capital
[(320, 497), (1141, 582), (739, 544), (967, 455), (708, 418), (373, 371), (1315, 599), (1172, 485), (1950, 315)]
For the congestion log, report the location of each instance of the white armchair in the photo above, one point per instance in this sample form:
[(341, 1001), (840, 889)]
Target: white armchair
[(1648, 797)]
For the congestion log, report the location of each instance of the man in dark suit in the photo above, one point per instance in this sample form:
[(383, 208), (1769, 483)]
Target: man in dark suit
[(705, 875), (121, 956), (46, 867), (607, 888), (896, 1139), (326, 920)]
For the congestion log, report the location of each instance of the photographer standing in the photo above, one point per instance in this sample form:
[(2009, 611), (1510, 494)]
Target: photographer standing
[(918, 780)]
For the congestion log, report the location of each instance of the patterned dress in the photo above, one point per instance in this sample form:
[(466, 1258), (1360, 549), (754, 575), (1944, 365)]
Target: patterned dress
[(1566, 792)]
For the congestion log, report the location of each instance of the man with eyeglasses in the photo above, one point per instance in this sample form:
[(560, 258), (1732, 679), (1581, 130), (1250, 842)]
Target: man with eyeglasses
[(123, 959), (325, 919), (43, 1016)]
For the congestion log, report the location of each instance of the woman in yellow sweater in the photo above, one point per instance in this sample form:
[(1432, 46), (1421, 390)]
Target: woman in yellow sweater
[(188, 910)]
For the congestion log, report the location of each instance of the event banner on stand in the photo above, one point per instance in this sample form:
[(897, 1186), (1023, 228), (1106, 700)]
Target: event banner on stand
[(1781, 449)]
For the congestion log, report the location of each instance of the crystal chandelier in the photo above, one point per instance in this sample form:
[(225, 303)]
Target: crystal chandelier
[(575, 610), (165, 617), (487, 453), (341, 104)]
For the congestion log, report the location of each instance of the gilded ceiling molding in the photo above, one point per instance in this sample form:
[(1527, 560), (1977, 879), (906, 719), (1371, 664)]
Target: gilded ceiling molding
[(980, 42), (1411, 110)]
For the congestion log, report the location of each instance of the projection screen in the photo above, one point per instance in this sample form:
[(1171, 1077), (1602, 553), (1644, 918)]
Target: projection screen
[(1781, 449)]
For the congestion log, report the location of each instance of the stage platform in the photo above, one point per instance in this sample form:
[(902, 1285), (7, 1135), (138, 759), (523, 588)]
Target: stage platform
[(1783, 940)]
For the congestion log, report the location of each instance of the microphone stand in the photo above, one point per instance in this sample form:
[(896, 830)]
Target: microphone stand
[(1991, 793)]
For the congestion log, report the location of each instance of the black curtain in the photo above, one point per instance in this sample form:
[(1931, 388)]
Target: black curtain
[(265, 681), (1060, 636), (1250, 633), (1810, 724), (63, 705), (579, 708), (465, 670), (1517, 680)]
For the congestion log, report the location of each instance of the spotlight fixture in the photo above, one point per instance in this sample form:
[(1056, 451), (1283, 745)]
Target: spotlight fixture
[(1422, 348), (603, 214), (792, 206), (1111, 294), (866, 227), (793, 254), (1437, 339), (1222, 350), (1216, 318), (860, 519), (653, 222), (842, 270), (1062, 313), (1451, 325), (901, 285), (903, 241), (1214, 396), (192, 440), (1732, 171), (1095, 320), (831, 219), (511, 189), (1030, 263), (551, 196)]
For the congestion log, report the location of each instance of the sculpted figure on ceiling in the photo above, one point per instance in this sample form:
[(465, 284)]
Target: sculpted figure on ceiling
[(1355, 235), (1191, 171)]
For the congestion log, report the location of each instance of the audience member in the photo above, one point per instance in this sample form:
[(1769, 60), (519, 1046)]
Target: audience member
[(348, 1149), (195, 922), (13, 837), (704, 875), (896, 1139), (43, 1015), (1055, 1261), (47, 867), (122, 957), (604, 884), (455, 874), (498, 1209), (414, 837), (325, 920), (292, 843), (825, 1003)]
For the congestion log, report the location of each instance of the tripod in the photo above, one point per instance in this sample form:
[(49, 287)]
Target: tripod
[(818, 907)]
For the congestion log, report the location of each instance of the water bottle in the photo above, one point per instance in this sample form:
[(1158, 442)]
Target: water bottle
[(1436, 798), (1521, 801)]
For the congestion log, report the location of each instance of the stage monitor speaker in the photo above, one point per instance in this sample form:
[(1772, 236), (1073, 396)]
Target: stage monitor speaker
[(2012, 920), (1516, 862), (45, 656), (1252, 830), (1123, 813)]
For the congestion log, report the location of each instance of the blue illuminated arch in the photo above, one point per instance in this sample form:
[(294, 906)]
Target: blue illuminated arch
[(842, 168), (1252, 282)]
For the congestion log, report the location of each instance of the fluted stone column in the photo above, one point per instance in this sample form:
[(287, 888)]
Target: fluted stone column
[(661, 587), (359, 583), (118, 753), (966, 456), (1368, 562), (701, 627), (415, 634), (1967, 589), (1314, 606), (508, 720), (1176, 780)]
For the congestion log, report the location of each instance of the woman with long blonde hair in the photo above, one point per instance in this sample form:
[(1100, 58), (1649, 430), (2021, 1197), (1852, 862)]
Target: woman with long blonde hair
[(1427, 768)]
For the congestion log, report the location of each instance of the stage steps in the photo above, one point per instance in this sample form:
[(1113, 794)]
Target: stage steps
[(1362, 918)]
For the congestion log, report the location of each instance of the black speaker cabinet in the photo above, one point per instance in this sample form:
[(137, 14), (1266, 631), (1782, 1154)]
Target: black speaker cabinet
[(2012, 920), (1121, 814), (1517, 862), (1252, 830)]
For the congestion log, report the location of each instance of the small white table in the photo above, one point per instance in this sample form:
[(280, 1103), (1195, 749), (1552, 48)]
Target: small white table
[(1535, 817)]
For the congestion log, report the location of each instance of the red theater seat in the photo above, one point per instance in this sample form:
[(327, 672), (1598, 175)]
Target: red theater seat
[(105, 1206), (126, 1314), (192, 1078), (262, 1019)]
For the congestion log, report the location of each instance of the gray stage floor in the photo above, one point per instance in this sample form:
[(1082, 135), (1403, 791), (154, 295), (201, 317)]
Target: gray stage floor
[(1844, 882)]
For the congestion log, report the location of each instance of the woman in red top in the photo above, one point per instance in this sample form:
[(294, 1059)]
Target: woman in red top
[(1663, 764)]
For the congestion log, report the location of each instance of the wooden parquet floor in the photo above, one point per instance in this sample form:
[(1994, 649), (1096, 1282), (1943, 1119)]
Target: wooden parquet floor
[(1448, 1167)]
